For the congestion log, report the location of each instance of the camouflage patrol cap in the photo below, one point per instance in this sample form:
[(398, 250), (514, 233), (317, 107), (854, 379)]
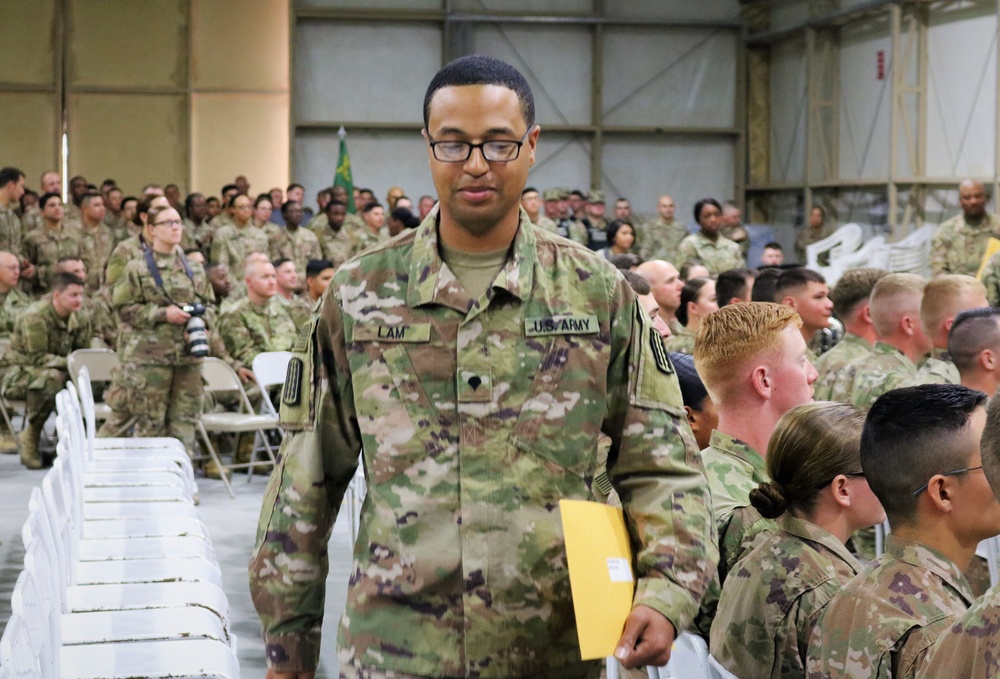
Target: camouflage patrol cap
[(595, 196), (555, 194)]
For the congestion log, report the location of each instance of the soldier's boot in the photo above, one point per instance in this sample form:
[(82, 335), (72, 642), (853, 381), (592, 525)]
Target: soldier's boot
[(30, 457), (244, 451), (212, 470), (8, 443)]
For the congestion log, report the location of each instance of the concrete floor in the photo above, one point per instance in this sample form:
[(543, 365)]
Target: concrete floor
[(232, 524)]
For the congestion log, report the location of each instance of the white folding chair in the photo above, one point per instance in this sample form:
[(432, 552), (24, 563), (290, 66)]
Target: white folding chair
[(269, 368), (220, 377), (18, 659), (99, 364)]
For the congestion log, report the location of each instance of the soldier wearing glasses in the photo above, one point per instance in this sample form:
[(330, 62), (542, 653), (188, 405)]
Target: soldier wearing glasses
[(473, 363)]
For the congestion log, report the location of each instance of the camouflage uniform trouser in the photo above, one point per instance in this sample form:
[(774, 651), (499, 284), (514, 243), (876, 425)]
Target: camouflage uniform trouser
[(45, 383), (352, 671), (165, 400)]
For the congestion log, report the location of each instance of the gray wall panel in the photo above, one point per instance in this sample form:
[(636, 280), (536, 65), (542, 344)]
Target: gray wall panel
[(670, 77)]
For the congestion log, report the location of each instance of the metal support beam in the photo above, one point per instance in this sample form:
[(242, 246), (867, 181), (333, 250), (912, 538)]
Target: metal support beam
[(597, 99)]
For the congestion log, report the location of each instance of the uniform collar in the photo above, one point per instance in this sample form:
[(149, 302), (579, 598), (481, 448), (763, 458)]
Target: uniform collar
[(889, 350), (736, 448), (807, 530), (431, 281), (929, 559)]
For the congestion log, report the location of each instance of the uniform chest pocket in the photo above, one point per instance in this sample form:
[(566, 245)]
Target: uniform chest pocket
[(401, 430), (561, 416)]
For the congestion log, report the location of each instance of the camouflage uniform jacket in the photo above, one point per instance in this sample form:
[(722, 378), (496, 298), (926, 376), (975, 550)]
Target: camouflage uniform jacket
[(970, 648), (682, 340), (851, 348), (249, 329), (43, 247), (719, 256), (733, 469), (299, 245), (202, 235), (42, 339), (336, 246), (773, 598), (959, 247), (299, 309), (362, 237), (937, 368), (805, 237), (124, 252), (142, 305), (231, 245), (862, 381), (660, 240), (11, 305), (473, 419), (545, 222), (991, 279), (96, 246), (11, 230), (31, 220), (882, 623)]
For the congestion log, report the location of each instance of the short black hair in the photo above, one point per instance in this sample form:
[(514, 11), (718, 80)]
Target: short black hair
[(773, 245), (294, 185), (190, 199), (764, 285), (287, 204), (8, 175), (796, 277), (279, 261), (69, 258), (733, 283), (702, 204), (62, 280), (46, 197), (228, 187), (371, 206), (409, 220), (329, 205), (692, 388), (973, 331), (317, 266), (232, 199), (910, 435), (578, 193), (478, 69), (626, 261), (529, 189)]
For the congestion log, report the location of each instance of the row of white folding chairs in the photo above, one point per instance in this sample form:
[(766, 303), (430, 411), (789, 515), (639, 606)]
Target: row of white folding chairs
[(120, 578)]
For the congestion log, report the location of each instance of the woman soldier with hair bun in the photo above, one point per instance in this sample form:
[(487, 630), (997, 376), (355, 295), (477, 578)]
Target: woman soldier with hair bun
[(819, 496)]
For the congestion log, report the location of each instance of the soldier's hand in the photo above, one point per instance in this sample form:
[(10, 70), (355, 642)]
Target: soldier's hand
[(27, 269), (246, 375), (271, 674), (176, 315), (647, 639)]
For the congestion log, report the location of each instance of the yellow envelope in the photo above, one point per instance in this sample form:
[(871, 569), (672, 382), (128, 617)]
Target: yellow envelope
[(992, 247), (600, 574)]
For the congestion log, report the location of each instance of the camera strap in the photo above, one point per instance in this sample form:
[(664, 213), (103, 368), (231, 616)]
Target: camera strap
[(154, 271)]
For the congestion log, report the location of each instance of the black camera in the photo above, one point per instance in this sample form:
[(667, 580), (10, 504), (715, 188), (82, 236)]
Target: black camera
[(197, 334)]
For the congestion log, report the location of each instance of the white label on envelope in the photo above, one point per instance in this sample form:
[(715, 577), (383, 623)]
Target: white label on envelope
[(619, 570)]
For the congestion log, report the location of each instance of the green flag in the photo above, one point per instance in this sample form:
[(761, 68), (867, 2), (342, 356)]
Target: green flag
[(343, 176)]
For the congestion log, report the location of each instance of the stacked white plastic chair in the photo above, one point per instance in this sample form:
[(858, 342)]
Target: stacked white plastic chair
[(120, 577), (843, 242), (688, 660)]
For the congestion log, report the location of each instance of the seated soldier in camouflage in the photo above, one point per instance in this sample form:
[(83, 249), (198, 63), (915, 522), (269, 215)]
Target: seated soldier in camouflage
[(970, 648), (254, 324), (698, 299), (293, 242), (818, 496), (752, 359), (319, 273), (920, 454), (289, 289), (33, 367), (945, 297), (708, 246), (850, 304), (43, 247), (805, 291), (895, 312), (12, 303)]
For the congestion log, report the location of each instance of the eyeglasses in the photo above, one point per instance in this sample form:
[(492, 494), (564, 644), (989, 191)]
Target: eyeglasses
[(922, 488), (855, 474), (169, 222), (502, 151)]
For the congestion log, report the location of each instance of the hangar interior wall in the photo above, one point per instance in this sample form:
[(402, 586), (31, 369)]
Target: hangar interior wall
[(873, 110), (634, 97)]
